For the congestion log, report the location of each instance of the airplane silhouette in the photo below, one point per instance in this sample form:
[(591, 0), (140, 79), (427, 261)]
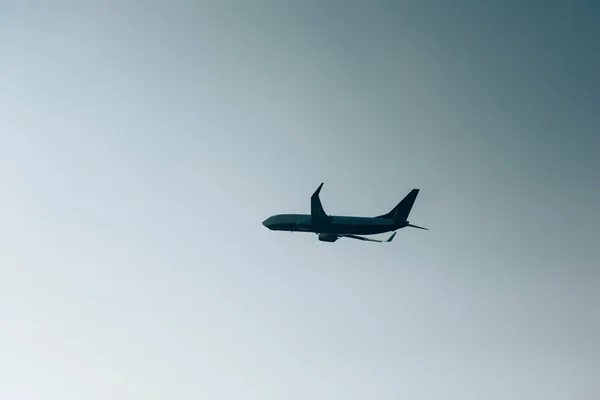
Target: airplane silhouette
[(332, 227)]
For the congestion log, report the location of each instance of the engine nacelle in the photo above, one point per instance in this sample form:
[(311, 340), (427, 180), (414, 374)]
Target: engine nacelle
[(327, 237)]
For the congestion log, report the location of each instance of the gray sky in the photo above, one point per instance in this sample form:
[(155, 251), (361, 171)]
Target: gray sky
[(142, 144)]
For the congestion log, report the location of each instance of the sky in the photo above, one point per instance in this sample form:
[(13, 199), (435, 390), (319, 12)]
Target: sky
[(143, 143)]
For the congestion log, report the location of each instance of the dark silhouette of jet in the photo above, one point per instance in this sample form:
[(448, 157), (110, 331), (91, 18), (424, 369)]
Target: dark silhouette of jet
[(331, 227)]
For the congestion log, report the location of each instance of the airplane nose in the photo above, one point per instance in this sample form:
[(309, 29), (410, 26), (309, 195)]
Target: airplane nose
[(267, 223)]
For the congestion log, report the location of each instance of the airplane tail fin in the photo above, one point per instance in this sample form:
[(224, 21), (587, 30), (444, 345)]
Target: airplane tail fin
[(401, 211)]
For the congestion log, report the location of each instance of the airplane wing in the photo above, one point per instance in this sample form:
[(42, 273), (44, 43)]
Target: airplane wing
[(369, 239)]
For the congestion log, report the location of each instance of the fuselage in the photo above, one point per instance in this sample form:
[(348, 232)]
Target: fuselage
[(335, 224)]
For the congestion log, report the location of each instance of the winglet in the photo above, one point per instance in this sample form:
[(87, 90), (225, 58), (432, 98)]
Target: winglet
[(317, 213), (316, 193), (391, 237)]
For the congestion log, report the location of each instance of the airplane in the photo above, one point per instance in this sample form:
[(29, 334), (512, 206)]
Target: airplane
[(330, 228)]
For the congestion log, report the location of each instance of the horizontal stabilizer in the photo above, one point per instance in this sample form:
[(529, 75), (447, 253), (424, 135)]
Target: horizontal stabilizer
[(418, 227)]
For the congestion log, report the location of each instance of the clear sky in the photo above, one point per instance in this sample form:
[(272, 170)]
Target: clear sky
[(143, 143)]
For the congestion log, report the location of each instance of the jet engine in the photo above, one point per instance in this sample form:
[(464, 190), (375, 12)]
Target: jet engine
[(327, 237)]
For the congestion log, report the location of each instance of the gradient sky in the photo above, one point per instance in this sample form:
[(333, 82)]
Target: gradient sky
[(143, 143)]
